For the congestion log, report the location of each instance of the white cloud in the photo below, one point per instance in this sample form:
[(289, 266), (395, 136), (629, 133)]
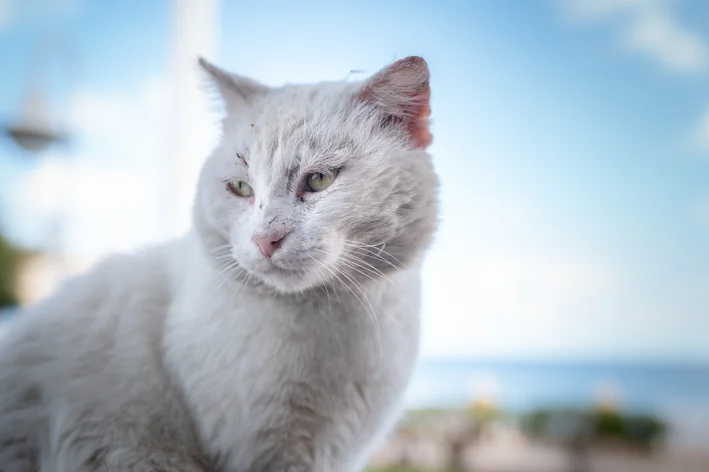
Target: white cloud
[(98, 114), (107, 114), (550, 279), (102, 204), (17, 12), (511, 304), (5, 13), (508, 278), (649, 27), (497, 281), (109, 184), (655, 33), (597, 9), (58, 184)]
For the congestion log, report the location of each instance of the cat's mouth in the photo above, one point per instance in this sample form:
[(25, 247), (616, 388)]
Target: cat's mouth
[(291, 270), (293, 277)]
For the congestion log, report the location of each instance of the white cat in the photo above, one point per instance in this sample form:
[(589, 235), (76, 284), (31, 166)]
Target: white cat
[(280, 333)]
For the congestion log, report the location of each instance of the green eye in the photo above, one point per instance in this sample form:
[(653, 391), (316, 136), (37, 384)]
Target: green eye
[(319, 181), (240, 188)]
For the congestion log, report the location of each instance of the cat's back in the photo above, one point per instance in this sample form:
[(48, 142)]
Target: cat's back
[(73, 347)]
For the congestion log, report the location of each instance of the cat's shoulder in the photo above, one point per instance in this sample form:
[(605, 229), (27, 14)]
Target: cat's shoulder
[(121, 276), (116, 289)]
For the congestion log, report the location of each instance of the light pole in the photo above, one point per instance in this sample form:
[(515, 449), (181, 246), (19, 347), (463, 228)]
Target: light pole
[(33, 130), (195, 30)]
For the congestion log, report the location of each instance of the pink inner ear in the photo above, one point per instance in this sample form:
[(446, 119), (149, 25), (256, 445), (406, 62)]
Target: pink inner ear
[(420, 132)]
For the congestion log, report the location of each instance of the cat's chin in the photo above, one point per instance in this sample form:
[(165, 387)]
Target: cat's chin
[(287, 280), (288, 283)]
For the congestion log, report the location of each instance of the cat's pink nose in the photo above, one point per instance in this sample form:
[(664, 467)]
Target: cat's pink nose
[(269, 243)]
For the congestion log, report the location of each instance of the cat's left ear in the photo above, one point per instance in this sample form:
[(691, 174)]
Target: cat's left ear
[(234, 89), (402, 91)]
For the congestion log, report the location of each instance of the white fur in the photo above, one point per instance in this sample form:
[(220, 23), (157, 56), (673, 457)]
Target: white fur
[(204, 355)]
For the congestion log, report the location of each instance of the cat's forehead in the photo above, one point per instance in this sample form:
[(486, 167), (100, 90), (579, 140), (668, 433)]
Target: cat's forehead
[(291, 108), (303, 122)]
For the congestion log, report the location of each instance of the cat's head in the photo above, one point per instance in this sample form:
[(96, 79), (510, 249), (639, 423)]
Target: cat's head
[(322, 184)]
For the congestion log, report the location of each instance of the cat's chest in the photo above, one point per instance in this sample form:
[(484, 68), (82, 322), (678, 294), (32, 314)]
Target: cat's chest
[(262, 338), (244, 367), (237, 348)]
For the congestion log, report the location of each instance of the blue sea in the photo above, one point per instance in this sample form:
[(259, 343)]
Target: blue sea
[(679, 393)]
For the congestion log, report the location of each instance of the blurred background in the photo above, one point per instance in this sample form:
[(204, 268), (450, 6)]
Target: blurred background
[(566, 297)]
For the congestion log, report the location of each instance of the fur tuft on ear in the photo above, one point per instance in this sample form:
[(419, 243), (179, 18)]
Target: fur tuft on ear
[(234, 89), (402, 92)]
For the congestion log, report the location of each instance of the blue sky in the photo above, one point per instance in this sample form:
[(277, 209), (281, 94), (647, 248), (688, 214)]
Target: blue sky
[(572, 140)]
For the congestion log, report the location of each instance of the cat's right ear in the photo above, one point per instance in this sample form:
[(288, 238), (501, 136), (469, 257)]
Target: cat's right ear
[(403, 93), (234, 89)]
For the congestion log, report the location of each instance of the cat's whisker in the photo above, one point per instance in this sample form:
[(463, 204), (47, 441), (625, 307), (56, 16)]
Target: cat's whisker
[(371, 314), (222, 257), (331, 283), (350, 265), (361, 244), (337, 292), (241, 284), (352, 261), (224, 248), (379, 254), (231, 272), (352, 258), (221, 275), (225, 277), (370, 310), (221, 246), (353, 267), (352, 250), (375, 249), (368, 307), (324, 284), (226, 267), (365, 252)]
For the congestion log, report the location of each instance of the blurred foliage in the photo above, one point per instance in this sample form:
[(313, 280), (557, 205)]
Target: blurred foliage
[(11, 258), (597, 426), (479, 411), (484, 411), (426, 412), (395, 469), (574, 430)]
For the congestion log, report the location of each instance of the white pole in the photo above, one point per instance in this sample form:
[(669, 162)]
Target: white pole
[(195, 33)]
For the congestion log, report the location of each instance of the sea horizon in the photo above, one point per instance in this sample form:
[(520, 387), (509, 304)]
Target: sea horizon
[(677, 392)]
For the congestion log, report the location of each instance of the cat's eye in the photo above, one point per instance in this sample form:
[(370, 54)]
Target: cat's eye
[(319, 181), (240, 188)]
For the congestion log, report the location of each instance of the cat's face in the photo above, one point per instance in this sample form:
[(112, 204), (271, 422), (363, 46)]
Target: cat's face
[(321, 184)]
